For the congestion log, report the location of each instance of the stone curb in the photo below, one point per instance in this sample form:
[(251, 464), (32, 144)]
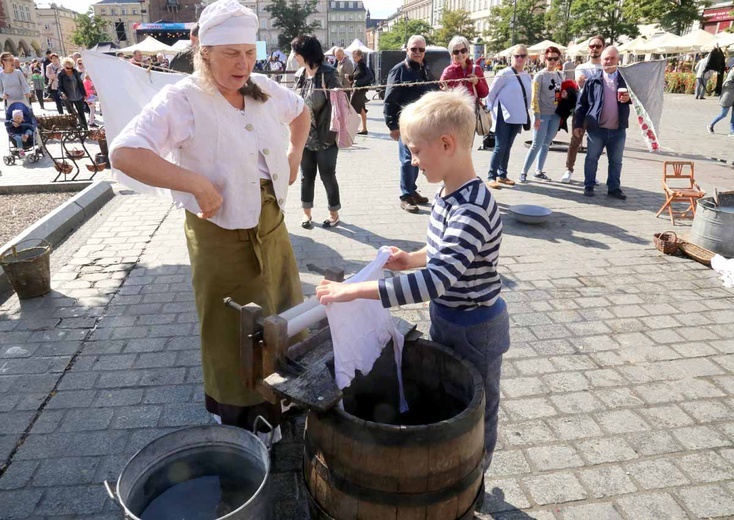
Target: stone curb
[(57, 225), (55, 187)]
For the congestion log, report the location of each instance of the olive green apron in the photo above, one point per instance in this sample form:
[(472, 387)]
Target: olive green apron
[(250, 265)]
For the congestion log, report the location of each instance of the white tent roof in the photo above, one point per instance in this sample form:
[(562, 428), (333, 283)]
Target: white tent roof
[(723, 39), (696, 40), (581, 48), (666, 43), (505, 53), (634, 46), (150, 46), (356, 44), (539, 48), (331, 51), (181, 44)]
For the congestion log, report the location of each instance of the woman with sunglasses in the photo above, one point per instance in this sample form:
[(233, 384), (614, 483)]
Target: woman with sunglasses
[(461, 67), (13, 84), (509, 98), (71, 89), (546, 95)]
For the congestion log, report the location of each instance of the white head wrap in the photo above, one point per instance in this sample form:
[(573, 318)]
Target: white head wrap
[(227, 22)]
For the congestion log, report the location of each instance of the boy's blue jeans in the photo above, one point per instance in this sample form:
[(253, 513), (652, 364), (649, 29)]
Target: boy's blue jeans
[(19, 138), (542, 138), (482, 345), (613, 141), (722, 115)]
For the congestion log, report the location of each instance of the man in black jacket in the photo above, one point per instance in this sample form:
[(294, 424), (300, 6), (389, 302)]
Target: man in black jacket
[(184, 60), (412, 70), (604, 110)]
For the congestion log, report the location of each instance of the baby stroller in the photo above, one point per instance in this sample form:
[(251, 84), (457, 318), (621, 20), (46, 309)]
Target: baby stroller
[(31, 148)]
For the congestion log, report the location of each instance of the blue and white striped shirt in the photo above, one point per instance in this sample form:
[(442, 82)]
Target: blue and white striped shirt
[(463, 244)]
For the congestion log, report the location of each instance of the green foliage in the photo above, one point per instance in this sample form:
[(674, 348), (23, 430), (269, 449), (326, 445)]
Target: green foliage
[(397, 37), (558, 21), (529, 24), (455, 23), (610, 18), (90, 30), (674, 15), (291, 17)]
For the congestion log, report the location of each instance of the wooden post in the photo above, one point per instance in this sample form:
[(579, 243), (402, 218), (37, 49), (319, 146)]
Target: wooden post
[(275, 338)]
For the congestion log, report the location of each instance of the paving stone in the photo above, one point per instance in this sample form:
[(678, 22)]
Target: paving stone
[(18, 474), (699, 389), (599, 511), (74, 501), (708, 501), (708, 411), (705, 467), (654, 506), (555, 488), (655, 474), (49, 421), (168, 394), (133, 417), (656, 393), (146, 345), (66, 472), (87, 419), (184, 414), (579, 402), (15, 422), (526, 433), (566, 382), (700, 437), (621, 421), (607, 481), (523, 409), (118, 397), (534, 366), (603, 450), (554, 457), (71, 399), (604, 378), (162, 376), (119, 379), (116, 362), (19, 503), (506, 463), (503, 495), (576, 427), (618, 398), (665, 417), (78, 381)]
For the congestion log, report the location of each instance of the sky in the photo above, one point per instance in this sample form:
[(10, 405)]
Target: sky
[(377, 8)]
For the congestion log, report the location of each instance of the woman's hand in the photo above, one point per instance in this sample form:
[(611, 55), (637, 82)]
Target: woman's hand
[(473, 78), (399, 260), (294, 162), (6, 96), (536, 125), (207, 197)]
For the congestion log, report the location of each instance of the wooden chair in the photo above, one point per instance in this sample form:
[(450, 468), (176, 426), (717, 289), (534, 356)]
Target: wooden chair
[(680, 186)]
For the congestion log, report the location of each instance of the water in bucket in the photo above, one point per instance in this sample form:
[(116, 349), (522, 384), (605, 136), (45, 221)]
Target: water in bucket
[(197, 485)]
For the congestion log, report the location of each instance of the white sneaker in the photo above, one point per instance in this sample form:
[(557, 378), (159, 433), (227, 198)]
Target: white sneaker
[(566, 177)]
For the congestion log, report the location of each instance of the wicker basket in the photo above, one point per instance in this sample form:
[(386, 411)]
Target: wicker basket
[(666, 242), (59, 122), (698, 253)]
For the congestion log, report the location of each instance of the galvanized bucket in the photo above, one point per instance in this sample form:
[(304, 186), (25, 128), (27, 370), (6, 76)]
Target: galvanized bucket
[(139, 483), (29, 269), (713, 225)]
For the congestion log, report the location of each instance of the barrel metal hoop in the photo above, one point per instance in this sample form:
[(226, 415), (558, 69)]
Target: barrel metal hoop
[(390, 498)]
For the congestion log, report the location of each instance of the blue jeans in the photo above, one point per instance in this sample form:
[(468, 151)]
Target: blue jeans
[(504, 136), (18, 138), (613, 141), (700, 87), (722, 115), (542, 138), (408, 172)]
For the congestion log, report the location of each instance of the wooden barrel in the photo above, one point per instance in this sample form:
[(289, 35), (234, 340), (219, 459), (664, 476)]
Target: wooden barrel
[(368, 462)]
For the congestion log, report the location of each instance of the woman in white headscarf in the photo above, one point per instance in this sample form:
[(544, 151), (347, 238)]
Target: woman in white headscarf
[(226, 130)]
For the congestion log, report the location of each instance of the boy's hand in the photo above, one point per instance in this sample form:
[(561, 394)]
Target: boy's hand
[(399, 260), (331, 292)]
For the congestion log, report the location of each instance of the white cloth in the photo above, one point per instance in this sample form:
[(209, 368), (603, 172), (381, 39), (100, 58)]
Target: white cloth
[(360, 329), (227, 22), (204, 133), (725, 268)]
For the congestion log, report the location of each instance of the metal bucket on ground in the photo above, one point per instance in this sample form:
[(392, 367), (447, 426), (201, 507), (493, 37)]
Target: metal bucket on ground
[(29, 270), (369, 462), (203, 472), (713, 225)]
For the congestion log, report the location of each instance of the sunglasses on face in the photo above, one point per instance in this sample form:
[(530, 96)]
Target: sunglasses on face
[(551, 58), (520, 56), (595, 46), (418, 49), (456, 52)]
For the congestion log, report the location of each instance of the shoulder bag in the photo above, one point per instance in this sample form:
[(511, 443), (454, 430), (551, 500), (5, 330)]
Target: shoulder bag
[(526, 125), (483, 116)]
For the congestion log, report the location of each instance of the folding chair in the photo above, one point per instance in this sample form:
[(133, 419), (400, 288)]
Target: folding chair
[(680, 186)]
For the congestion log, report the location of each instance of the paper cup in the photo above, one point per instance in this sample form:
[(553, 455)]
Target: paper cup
[(620, 93)]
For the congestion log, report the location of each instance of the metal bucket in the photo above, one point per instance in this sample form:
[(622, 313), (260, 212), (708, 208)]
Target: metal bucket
[(713, 226), (158, 482), (29, 270)]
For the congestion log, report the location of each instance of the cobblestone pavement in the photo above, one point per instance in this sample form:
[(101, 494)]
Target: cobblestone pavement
[(617, 390)]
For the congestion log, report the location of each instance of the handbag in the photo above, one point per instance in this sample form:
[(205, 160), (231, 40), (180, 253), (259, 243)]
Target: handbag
[(525, 126), (483, 116)]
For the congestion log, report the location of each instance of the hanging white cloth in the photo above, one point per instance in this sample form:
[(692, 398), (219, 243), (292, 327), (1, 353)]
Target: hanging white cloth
[(725, 268), (360, 329)]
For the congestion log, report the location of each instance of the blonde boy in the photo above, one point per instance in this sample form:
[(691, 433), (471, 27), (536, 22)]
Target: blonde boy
[(459, 263)]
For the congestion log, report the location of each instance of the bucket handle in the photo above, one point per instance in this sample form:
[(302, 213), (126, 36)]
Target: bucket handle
[(258, 419), (112, 494), (14, 248)]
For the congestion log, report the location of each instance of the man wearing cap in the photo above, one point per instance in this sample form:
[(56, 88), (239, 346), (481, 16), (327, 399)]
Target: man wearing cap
[(224, 129), (411, 70)]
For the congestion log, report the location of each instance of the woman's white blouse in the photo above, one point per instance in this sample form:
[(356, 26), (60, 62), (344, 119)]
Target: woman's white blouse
[(506, 90), (204, 133)]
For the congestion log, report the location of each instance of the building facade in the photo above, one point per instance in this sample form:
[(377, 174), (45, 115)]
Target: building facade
[(718, 17), (121, 17), (269, 33), (57, 25), (347, 21), (419, 10), (19, 32)]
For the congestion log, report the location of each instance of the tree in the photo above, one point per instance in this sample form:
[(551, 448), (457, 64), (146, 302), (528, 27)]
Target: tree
[(455, 23), (674, 15), (529, 23), (397, 37), (558, 21), (291, 16), (610, 18), (90, 30)]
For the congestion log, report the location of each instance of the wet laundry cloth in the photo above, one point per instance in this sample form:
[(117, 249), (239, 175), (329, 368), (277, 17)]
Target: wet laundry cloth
[(360, 329), (725, 267)]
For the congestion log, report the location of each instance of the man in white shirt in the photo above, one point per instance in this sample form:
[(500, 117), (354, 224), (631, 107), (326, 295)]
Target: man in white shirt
[(701, 77), (583, 71)]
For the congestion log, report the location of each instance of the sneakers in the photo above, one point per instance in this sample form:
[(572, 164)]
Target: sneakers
[(588, 192), (419, 199), (492, 183), (710, 128), (541, 176), (567, 177), (505, 181), (523, 178), (408, 205), (617, 194)]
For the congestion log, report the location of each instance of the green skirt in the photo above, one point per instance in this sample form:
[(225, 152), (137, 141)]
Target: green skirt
[(251, 266)]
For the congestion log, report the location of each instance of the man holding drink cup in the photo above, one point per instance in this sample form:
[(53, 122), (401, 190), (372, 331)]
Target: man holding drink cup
[(603, 107)]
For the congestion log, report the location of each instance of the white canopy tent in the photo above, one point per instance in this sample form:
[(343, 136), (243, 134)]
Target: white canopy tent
[(150, 46), (723, 40), (579, 49), (696, 40), (666, 43), (356, 44), (634, 46), (181, 45), (539, 48), (331, 51), (506, 52)]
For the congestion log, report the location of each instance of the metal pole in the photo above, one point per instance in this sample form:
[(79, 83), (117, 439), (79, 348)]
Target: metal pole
[(512, 23)]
